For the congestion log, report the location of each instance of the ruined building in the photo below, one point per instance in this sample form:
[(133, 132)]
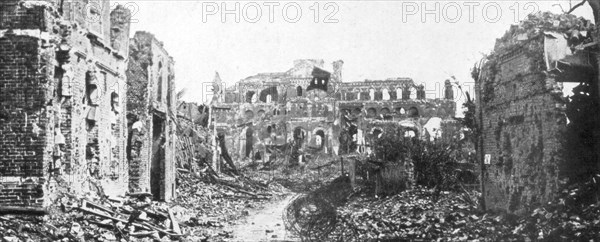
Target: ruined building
[(533, 135), (306, 108), (151, 114), (62, 96)]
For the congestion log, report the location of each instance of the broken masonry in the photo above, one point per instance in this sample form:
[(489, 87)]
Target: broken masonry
[(538, 101), (72, 89), (310, 111)]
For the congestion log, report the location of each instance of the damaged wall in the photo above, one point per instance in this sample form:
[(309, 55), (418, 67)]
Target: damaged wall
[(298, 108), (268, 107), (63, 83), (151, 116), (524, 119)]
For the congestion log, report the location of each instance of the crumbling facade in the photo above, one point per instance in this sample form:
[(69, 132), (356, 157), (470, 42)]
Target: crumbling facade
[(151, 105), (532, 135), (61, 100), (305, 110), (364, 106)]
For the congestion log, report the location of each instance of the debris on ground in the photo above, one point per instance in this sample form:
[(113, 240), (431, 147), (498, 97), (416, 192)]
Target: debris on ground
[(129, 219), (419, 214), (206, 206), (203, 211)]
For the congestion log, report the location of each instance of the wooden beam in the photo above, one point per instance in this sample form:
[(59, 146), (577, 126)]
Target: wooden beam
[(174, 224), (114, 218)]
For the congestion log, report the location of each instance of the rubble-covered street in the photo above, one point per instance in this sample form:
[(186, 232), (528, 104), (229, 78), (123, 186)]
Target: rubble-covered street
[(205, 211), (265, 224)]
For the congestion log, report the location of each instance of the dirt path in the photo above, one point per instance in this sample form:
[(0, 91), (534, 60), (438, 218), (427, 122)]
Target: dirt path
[(265, 224)]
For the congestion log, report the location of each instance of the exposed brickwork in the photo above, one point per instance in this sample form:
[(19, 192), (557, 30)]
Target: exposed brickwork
[(23, 97), (61, 103), (17, 16), (269, 107), (152, 107), (523, 119), (138, 146)]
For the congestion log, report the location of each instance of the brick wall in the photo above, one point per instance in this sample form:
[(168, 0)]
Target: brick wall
[(25, 89), (152, 101), (24, 125), (522, 123), (46, 105), (138, 142), (15, 15)]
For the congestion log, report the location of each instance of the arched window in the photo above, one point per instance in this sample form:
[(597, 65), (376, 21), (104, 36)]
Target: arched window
[(385, 94), (114, 102), (320, 138), (299, 133), (249, 114), (385, 111), (250, 95), (413, 112), (371, 113), (412, 92), (372, 94), (299, 91), (268, 95), (398, 93), (349, 96), (364, 96), (405, 93)]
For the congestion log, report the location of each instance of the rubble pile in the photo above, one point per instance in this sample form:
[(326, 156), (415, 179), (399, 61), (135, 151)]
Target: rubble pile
[(573, 216), (134, 218), (204, 209), (206, 205), (413, 214), (418, 215), (30, 228), (304, 177), (576, 29)]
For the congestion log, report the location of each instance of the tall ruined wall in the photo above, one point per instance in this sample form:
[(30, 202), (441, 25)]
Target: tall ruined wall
[(152, 109), (25, 125), (61, 112), (522, 124), (139, 126), (523, 109)]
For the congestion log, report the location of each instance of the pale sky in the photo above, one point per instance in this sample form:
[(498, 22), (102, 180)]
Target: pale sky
[(375, 39)]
